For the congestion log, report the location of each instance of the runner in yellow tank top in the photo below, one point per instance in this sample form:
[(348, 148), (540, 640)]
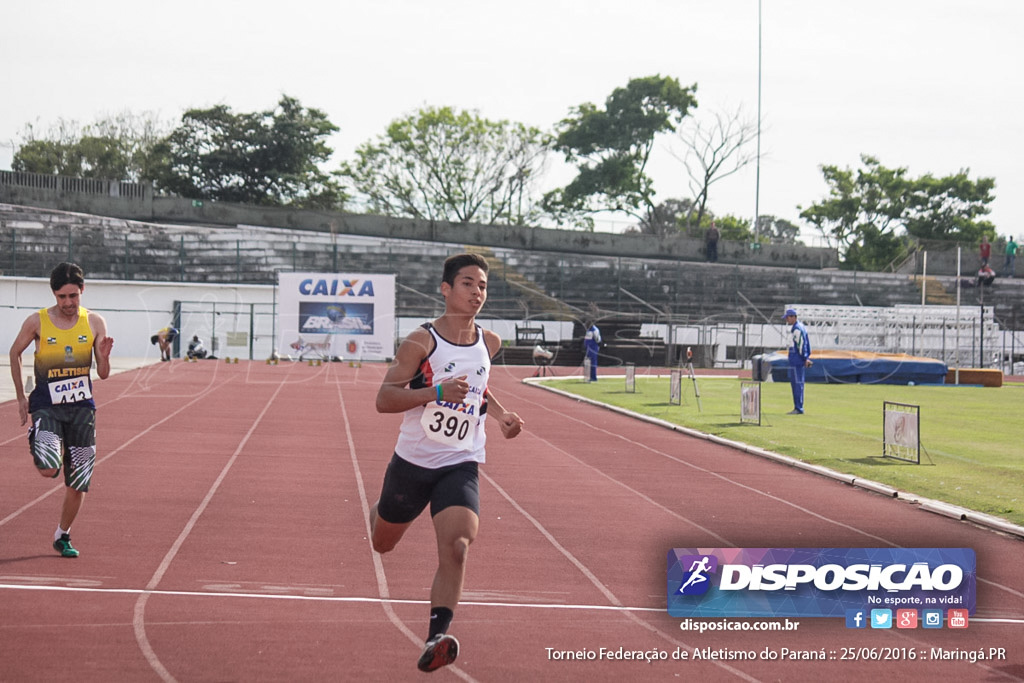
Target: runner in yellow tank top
[(63, 432)]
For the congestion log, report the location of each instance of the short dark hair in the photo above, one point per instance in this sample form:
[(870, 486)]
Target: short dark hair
[(453, 264), (66, 274)]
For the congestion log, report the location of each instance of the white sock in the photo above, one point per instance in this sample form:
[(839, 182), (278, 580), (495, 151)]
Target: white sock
[(59, 532)]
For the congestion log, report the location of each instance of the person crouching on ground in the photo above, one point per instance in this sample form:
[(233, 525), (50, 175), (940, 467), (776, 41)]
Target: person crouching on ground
[(165, 338)]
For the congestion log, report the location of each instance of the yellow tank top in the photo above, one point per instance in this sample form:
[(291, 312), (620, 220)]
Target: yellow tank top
[(63, 361)]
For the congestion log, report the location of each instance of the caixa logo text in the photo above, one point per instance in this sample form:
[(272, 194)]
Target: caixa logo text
[(336, 287)]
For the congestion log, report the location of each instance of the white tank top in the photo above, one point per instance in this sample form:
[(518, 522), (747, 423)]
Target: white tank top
[(444, 433)]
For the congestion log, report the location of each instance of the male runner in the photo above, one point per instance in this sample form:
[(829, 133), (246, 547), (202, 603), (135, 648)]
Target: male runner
[(439, 381), (63, 431)]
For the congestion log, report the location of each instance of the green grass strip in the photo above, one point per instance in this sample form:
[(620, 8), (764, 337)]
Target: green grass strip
[(972, 437)]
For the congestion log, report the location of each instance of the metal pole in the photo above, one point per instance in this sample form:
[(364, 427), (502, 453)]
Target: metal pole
[(957, 373), (757, 181), (981, 327), (924, 278), (252, 327)]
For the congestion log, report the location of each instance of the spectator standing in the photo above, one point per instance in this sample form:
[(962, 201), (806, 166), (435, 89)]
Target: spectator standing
[(711, 243), (985, 250), (591, 345), (799, 359), (1011, 256)]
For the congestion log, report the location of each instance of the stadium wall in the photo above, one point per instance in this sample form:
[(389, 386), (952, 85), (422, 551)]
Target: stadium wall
[(136, 201)]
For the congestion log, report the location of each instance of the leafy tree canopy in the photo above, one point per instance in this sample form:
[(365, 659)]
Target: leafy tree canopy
[(118, 147), (673, 216), (873, 214), (612, 145), (777, 230), (444, 164), (267, 158)]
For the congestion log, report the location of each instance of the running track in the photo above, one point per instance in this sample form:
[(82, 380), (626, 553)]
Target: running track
[(225, 539)]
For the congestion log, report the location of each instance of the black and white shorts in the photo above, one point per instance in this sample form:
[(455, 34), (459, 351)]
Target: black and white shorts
[(65, 436)]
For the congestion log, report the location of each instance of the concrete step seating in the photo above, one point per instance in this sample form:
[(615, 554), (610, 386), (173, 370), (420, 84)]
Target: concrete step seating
[(523, 284)]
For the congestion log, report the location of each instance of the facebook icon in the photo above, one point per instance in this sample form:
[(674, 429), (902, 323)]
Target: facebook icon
[(856, 618)]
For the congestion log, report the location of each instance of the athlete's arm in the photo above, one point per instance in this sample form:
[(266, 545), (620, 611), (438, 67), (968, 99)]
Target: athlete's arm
[(28, 333), (395, 395), (511, 424), (101, 343)]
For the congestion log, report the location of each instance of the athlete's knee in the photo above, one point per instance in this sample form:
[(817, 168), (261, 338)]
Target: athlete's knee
[(50, 472), (383, 545), (456, 551), (383, 536)]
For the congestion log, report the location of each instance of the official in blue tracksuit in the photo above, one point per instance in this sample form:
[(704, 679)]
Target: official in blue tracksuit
[(591, 344), (799, 359)]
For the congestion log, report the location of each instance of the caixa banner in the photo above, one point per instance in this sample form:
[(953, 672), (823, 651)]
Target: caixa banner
[(817, 582)]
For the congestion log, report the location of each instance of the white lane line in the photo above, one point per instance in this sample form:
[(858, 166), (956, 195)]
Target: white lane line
[(378, 566), (139, 618), (111, 454), (350, 599)]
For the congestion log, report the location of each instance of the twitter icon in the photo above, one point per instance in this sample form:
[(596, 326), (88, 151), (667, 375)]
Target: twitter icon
[(881, 618)]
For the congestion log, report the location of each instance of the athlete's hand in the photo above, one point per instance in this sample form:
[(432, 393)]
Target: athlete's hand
[(511, 425), (23, 410), (455, 390), (105, 346)]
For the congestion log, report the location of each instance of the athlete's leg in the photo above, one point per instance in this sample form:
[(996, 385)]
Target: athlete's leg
[(385, 535), (456, 528), (404, 494), (72, 504)]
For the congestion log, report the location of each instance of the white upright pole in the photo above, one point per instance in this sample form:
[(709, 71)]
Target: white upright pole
[(924, 278), (757, 181), (957, 373)]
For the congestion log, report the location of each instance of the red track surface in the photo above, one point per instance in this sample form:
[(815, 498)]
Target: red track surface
[(225, 538)]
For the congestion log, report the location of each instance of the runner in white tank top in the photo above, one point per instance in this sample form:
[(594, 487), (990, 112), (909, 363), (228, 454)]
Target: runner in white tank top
[(439, 380), (445, 432)]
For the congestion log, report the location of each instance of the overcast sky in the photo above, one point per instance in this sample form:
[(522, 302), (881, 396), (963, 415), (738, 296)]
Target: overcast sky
[(932, 85)]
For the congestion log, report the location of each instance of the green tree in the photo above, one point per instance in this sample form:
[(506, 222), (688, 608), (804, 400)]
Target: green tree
[(444, 164), (119, 147), (734, 228), (612, 146), (667, 218), (674, 216), (950, 208), (268, 158), (872, 215), (777, 230)]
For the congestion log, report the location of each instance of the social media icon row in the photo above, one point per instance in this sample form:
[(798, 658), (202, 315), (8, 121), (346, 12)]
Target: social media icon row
[(904, 618)]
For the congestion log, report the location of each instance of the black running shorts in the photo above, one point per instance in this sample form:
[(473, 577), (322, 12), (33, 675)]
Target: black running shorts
[(408, 488)]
